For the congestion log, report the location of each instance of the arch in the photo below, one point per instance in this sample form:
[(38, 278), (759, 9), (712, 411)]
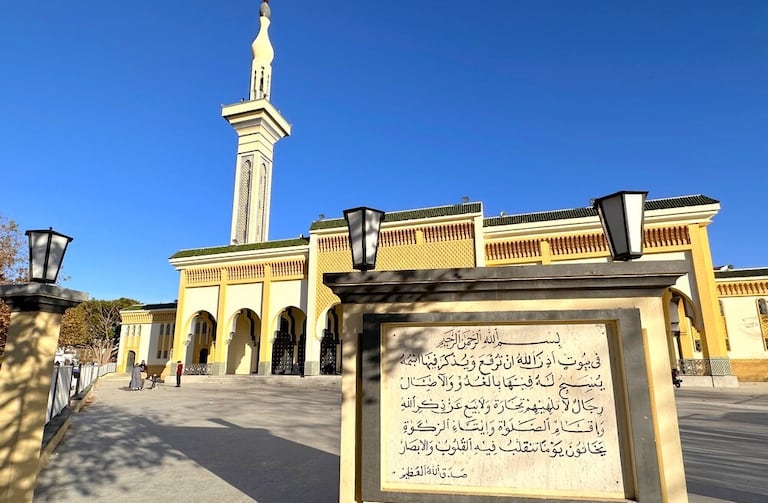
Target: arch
[(289, 343), (201, 333), (331, 342), (689, 308), (243, 342), (130, 360), (684, 328)]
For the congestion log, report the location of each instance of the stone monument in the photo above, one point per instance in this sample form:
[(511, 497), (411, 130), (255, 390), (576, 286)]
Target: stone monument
[(508, 384)]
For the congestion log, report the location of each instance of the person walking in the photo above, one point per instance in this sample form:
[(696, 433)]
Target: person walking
[(179, 371), (135, 383)]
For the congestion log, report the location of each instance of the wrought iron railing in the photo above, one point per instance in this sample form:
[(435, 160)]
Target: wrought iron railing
[(201, 369), (705, 366)]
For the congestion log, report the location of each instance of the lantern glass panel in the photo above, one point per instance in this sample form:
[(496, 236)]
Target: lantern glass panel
[(372, 226), (356, 241), (56, 256), (612, 215), (633, 206), (38, 250)]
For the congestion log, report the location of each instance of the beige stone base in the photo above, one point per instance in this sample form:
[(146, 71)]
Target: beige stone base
[(710, 381)]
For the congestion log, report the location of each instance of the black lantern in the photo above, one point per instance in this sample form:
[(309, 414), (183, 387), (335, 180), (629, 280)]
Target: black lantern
[(622, 217), (46, 252), (364, 224)]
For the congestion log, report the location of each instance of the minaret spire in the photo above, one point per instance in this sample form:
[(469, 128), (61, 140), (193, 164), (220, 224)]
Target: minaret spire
[(259, 125), (263, 54)]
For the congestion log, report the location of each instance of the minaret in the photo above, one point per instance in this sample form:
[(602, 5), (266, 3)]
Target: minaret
[(259, 126)]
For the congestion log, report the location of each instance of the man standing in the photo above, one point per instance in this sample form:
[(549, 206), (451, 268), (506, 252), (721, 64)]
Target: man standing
[(179, 370)]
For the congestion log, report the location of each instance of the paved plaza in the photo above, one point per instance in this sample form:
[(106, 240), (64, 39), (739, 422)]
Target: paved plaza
[(276, 440)]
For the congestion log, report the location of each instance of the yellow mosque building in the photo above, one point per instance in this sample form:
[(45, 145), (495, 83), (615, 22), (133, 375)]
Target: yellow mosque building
[(259, 307)]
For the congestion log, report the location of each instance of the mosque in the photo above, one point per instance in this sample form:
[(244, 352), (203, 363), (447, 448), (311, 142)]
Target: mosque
[(257, 306)]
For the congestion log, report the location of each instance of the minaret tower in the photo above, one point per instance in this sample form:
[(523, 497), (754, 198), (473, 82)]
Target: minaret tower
[(259, 126)]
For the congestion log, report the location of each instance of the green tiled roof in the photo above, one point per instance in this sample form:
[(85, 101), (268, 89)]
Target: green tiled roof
[(151, 307), (238, 248), (398, 216), (544, 216), (742, 273)]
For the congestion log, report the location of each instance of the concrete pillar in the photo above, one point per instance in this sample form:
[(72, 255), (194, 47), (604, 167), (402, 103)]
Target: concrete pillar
[(25, 380)]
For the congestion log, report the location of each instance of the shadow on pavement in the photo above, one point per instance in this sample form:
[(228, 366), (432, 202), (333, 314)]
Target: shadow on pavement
[(727, 463), (136, 454)]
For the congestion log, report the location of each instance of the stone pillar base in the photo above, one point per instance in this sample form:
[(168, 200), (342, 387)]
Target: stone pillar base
[(311, 368), (709, 381)]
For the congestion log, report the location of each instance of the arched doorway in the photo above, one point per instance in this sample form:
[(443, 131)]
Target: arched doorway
[(202, 336), (130, 361), (244, 343), (289, 345), (330, 344), (685, 337)]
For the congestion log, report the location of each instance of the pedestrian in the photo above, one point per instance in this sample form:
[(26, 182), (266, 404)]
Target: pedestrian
[(135, 383), (144, 372), (179, 370)]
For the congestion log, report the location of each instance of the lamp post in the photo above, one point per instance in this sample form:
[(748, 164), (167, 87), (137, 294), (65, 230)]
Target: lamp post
[(621, 215), (46, 253), (364, 225)]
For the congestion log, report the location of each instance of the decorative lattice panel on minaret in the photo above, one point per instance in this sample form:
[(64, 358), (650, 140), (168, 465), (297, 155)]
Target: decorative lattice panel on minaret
[(261, 204), (243, 198)]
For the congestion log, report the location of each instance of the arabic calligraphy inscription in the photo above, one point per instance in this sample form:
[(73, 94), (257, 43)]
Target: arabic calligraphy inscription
[(529, 407)]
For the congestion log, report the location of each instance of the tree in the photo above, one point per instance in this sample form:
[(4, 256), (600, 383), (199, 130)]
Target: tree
[(5, 321), (94, 325), (13, 253), (73, 328), (13, 268)]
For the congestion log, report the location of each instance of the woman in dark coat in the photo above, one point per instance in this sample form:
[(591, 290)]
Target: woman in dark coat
[(135, 383)]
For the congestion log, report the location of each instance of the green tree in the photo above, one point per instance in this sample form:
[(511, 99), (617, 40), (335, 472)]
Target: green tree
[(14, 254), (95, 323), (73, 328), (13, 268)]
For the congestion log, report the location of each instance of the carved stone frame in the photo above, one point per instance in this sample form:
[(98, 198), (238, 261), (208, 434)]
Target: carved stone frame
[(631, 393)]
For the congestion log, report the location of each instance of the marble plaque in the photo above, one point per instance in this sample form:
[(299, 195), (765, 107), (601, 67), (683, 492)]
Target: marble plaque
[(508, 409)]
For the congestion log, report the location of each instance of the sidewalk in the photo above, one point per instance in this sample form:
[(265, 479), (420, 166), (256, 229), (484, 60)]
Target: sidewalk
[(276, 440), (270, 440)]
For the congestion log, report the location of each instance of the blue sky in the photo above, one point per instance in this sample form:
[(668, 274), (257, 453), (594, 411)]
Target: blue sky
[(111, 128)]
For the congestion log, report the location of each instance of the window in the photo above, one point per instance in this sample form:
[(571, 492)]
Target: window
[(697, 345), (762, 307), (163, 344)]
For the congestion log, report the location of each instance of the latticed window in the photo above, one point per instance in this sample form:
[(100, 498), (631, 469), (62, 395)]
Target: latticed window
[(164, 341)]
